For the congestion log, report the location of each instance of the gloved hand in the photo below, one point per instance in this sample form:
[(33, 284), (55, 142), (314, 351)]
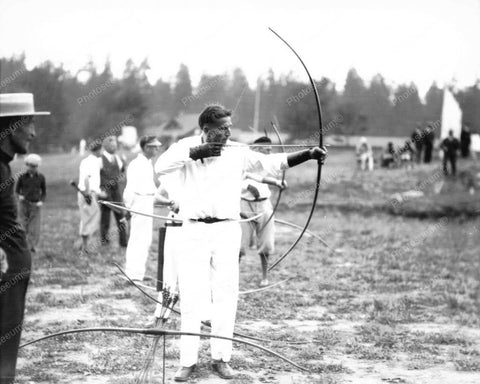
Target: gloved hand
[(253, 191), (206, 150), (318, 153)]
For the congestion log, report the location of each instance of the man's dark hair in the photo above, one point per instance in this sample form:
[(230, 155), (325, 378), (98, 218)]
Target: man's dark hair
[(212, 113), (11, 123), (94, 145), (144, 140), (263, 140)]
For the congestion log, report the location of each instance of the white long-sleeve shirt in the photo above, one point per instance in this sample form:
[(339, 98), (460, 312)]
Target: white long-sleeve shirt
[(90, 170), (140, 179), (212, 188)]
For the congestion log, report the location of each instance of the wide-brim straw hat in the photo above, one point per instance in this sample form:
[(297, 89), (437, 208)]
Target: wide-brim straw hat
[(18, 104)]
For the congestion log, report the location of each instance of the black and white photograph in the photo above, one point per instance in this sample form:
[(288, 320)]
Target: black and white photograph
[(243, 192)]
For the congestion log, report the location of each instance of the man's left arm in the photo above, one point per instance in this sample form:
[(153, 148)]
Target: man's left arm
[(272, 165)]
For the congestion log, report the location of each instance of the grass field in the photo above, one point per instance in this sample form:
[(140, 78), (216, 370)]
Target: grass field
[(397, 302)]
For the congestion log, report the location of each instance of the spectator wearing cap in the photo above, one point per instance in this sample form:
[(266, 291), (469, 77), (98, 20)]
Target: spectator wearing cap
[(31, 191), (139, 195), (17, 129), (89, 185)]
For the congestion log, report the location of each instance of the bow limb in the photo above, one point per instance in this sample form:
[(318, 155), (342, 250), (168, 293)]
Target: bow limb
[(205, 323), (319, 165), (163, 332), (288, 224), (264, 288), (275, 129)]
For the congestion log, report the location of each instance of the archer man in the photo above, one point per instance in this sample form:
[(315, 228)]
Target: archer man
[(211, 170)]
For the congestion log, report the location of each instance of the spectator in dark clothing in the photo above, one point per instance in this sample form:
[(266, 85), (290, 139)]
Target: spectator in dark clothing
[(428, 139), (16, 131), (112, 183), (465, 141), (31, 191), (388, 157), (417, 140), (450, 146)]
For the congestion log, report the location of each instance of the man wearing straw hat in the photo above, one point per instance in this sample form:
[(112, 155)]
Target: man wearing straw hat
[(16, 131)]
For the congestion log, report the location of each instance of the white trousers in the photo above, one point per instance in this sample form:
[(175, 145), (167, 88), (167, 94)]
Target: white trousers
[(208, 266), (89, 215), (366, 161), (138, 247), (173, 237)]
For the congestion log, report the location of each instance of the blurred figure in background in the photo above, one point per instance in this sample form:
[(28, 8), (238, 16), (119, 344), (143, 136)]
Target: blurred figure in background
[(388, 157), (31, 190), (406, 155), (16, 131), (138, 195), (365, 155), (112, 183), (89, 185), (428, 139), (417, 140), (465, 141), (450, 146)]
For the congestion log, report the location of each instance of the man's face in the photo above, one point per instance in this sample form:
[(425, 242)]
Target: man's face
[(218, 132), (150, 151), (97, 153), (32, 168), (22, 131), (111, 146)]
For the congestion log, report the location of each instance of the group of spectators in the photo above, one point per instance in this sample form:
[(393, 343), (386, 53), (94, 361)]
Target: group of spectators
[(419, 149)]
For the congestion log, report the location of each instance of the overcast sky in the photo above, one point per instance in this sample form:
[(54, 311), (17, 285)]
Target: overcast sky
[(409, 40)]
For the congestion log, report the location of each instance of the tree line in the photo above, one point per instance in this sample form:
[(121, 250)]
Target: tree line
[(91, 102)]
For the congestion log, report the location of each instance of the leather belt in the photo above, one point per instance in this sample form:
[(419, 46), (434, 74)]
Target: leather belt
[(256, 200), (208, 220), (173, 224)]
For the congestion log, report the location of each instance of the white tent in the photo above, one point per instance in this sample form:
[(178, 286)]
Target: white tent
[(451, 115)]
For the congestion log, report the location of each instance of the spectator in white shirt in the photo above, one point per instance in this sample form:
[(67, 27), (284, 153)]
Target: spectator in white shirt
[(139, 195), (211, 170), (89, 184)]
